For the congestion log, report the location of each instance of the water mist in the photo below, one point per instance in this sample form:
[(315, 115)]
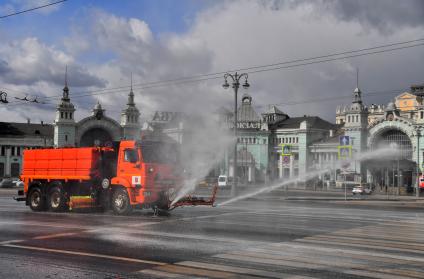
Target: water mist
[(381, 153), (202, 150)]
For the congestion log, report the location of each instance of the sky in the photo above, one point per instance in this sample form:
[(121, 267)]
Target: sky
[(103, 43)]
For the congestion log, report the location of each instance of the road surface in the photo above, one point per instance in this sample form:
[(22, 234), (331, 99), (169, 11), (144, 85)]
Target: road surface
[(265, 237)]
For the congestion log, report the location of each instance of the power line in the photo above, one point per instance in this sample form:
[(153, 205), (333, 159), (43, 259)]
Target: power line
[(259, 69), (317, 100), (262, 68), (32, 9)]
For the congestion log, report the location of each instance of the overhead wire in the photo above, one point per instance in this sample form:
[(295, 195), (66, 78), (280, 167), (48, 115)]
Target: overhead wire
[(256, 69), (32, 9), (259, 69)]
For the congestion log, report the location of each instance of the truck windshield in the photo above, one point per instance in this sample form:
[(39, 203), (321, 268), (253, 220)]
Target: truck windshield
[(131, 155), (159, 152)]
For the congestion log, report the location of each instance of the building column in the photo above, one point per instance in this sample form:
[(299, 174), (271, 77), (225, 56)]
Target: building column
[(291, 166), (320, 164), (280, 166), (8, 159), (249, 174)]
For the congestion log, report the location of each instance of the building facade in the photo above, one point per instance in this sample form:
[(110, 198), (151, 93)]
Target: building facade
[(95, 129), (397, 128)]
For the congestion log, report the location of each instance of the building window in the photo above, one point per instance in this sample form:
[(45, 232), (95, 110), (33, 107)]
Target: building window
[(14, 169), (290, 140), (1, 169), (348, 118), (297, 140), (66, 115), (66, 138), (61, 114), (13, 151), (280, 140), (264, 141), (70, 115), (422, 114), (3, 151), (357, 118), (18, 151)]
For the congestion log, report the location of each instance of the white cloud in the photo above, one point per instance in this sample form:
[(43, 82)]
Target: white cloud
[(229, 35)]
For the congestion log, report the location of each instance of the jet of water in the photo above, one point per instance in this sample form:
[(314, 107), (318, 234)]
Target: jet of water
[(275, 186), (381, 153)]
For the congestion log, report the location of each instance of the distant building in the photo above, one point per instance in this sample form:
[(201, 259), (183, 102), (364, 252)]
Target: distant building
[(14, 138), (399, 126), (96, 129)]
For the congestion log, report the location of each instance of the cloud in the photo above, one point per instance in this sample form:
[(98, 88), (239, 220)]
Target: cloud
[(29, 61), (386, 15), (105, 48)]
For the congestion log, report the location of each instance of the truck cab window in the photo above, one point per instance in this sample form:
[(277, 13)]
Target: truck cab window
[(131, 155)]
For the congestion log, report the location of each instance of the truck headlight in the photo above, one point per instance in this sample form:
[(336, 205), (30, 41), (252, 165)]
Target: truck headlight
[(105, 183)]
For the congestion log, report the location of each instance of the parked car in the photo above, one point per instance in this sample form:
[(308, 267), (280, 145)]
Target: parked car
[(361, 190), (7, 183), (10, 182)]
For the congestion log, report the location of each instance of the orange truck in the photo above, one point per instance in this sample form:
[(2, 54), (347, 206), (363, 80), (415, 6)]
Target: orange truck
[(129, 174)]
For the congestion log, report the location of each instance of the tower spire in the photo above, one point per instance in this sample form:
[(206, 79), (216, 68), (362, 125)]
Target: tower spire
[(66, 89), (131, 95), (357, 92), (66, 76)]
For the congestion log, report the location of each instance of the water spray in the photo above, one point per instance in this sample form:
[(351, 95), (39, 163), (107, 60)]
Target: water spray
[(385, 152)]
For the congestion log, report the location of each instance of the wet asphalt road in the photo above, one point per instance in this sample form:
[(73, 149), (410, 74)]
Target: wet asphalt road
[(265, 237)]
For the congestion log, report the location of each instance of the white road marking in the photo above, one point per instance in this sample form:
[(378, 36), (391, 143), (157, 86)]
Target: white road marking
[(234, 269), (85, 254)]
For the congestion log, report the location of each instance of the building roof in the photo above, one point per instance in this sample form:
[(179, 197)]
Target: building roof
[(245, 112), (313, 122), (25, 129), (274, 110)]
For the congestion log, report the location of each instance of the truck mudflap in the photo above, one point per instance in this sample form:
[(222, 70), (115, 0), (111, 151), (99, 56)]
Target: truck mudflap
[(194, 201), (20, 197)]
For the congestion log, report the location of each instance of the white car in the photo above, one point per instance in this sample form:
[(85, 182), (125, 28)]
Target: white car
[(361, 190)]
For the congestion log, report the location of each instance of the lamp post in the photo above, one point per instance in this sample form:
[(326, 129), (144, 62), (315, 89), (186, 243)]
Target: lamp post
[(417, 192), (235, 85)]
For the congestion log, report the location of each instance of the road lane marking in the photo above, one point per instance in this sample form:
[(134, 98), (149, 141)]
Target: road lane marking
[(337, 262), (382, 243), (199, 272), (162, 274), (54, 235), (345, 250), (386, 248), (86, 254), (234, 269), (11, 241)]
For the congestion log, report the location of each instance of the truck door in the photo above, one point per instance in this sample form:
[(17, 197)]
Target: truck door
[(130, 166)]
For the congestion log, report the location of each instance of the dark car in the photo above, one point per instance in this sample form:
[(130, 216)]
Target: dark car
[(7, 183)]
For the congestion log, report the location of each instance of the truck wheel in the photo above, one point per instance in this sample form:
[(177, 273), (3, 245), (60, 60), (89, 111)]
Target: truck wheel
[(36, 200), (121, 202), (56, 199)]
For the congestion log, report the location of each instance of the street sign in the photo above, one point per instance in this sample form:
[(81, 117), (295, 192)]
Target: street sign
[(344, 140), (286, 149), (345, 152)]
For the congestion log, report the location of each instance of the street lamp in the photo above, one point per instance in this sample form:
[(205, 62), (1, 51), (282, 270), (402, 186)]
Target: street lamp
[(417, 193), (235, 84)]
